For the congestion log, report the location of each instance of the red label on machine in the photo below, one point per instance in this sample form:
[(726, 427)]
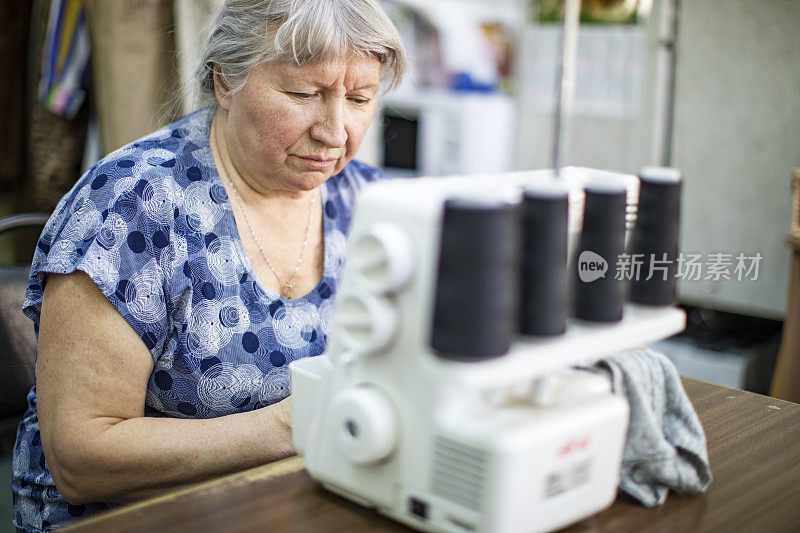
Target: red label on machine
[(574, 445)]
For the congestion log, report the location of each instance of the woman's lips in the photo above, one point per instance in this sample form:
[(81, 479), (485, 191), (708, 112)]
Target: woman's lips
[(317, 162)]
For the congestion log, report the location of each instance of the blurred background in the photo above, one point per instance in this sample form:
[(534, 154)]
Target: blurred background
[(708, 87)]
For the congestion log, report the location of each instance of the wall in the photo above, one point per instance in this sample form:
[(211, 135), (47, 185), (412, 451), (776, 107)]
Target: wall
[(737, 138), (595, 139)]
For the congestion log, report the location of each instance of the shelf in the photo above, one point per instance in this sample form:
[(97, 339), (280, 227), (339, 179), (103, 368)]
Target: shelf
[(584, 343)]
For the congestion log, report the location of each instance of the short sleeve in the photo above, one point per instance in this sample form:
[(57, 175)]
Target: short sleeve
[(117, 229)]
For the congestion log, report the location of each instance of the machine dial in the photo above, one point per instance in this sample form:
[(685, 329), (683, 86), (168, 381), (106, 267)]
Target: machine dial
[(367, 323), (383, 258), (365, 424)]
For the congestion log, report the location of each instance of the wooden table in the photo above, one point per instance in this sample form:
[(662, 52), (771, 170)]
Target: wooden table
[(753, 443)]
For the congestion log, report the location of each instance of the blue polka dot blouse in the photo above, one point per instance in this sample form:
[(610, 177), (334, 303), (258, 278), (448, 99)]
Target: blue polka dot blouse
[(151, 224)]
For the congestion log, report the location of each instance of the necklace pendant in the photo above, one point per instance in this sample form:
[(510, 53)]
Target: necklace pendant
[(288, 288)]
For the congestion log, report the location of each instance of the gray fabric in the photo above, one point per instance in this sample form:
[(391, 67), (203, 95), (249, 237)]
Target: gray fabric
[(665, 448)]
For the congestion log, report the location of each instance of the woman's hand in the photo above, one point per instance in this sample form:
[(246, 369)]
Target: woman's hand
[(92, 375)]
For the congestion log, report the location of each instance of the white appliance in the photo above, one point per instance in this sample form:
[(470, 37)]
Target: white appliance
[(518, 443), (437, 133)]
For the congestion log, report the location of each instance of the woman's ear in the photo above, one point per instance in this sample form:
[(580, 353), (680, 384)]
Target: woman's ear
[(221, 90)]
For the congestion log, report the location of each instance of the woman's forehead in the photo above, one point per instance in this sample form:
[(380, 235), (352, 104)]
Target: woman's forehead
[(353, 71)]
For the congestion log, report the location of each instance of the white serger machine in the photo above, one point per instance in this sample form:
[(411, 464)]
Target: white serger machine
[(518, 442)]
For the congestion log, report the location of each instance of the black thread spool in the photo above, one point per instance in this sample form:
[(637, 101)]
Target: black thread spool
[(655, 236), (478, 280), (545, 217), (601, 298)]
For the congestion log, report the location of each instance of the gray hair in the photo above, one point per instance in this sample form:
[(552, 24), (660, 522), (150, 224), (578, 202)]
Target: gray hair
[(247, 33)]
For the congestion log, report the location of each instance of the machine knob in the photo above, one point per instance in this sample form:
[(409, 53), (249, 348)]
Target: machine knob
[(365, 424), (368, 323), (383, 258)]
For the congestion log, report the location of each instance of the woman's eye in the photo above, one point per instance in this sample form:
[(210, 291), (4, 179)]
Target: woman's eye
[(359, 100)]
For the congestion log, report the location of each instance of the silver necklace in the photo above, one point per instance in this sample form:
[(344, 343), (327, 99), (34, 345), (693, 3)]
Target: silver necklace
[(287, 286)]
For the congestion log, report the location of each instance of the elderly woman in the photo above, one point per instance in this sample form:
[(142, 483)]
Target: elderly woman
[(183, 272)]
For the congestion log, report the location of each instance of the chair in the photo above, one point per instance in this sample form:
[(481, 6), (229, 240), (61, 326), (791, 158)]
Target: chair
[(786, 379), (17, 339)]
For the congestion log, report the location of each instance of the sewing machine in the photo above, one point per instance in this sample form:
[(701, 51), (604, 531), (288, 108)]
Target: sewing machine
[(520, 442)]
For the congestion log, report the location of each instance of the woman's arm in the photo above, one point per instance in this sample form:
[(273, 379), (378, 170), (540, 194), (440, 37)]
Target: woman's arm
[(92, 375)]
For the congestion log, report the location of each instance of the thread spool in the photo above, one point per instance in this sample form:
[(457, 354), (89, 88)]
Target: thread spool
[(545, 216), (599, 296), (478, 280), (655, 236)]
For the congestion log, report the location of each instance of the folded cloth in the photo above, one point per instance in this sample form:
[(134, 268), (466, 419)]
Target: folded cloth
[(665, 448)]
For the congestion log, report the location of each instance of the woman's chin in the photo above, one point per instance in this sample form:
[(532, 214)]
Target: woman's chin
[(310, 180)]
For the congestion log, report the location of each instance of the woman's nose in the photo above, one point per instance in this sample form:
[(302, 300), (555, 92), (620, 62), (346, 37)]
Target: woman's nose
[(330, 128)]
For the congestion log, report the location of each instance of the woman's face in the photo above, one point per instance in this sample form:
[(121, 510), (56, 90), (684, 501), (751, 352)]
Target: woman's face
[(292, 127)]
